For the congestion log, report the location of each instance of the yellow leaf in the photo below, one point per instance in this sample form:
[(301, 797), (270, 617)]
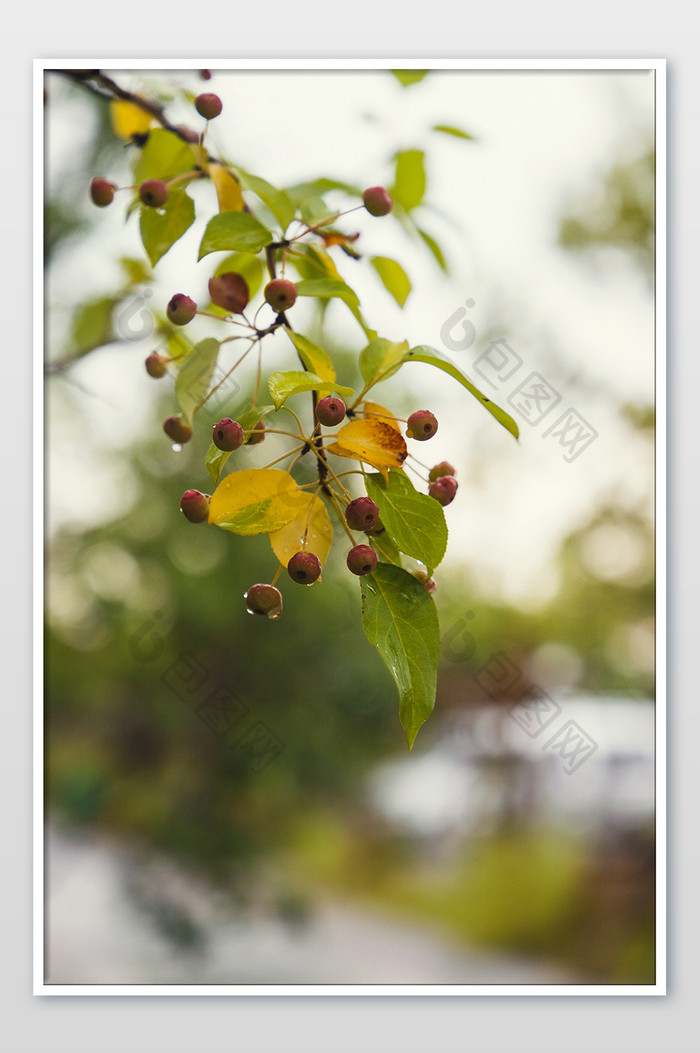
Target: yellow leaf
[(310, 530), (228, 189), (371, 441), (128, 119), (375, 411), (315, 359), (255, 501)]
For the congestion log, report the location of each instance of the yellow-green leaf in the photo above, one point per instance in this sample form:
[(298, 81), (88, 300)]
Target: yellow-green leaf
[(163, 156), (449, 129), (161, 227), (228, 189), (278, 201), (409, 184), (435, 249), (255, 501), (310, 530), (424, 353), (407, 77), (284, 383), (393, 278), (194, 376), (234, 231), (381, 359), (313, 357)]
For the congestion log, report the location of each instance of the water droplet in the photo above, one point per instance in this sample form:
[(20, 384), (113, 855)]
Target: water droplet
[(176, 447)]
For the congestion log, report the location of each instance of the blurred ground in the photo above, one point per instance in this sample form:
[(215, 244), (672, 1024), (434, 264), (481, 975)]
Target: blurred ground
[(99, 900)]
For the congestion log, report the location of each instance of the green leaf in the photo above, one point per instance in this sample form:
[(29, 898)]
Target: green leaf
[(194, 377), (92, 325), (409, 184), (137, 271), (161, 228), (449, 129), (215, 458), (423, 353), (407, 77), (314, 210), (381, 359), (394, 278), (314, 358), (400, 619), (435, 249), (163, 156), (278, 201), (230, 231), (301, 192), (326, 288), (414, 521), (385, 548), (250, 417), (284, 383), (246, 264)]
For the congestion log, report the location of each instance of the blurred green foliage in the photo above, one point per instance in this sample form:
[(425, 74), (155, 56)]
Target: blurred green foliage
[(617, 211)]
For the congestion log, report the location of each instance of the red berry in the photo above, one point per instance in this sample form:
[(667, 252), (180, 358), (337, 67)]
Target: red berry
[(195, 506), (443, 468), (208, 105), (422, 425), (228, 435), (156, 365), (330, 411), (102, 192), (177, 429), (377, 201), (361, 560), (362, 514), (304, 567), (205, 74), (265, 600), (153, 192), (280, 294), (181, 309), (257, 434), (422, 577), (443, 489), (230, 291)]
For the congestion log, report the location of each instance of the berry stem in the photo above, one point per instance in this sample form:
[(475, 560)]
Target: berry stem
[(196, 174), (284, 457), (341, 516), (224, 378)]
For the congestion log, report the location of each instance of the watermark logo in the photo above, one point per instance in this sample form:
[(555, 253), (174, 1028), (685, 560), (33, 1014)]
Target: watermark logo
[(533, 398), (535, 711)]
